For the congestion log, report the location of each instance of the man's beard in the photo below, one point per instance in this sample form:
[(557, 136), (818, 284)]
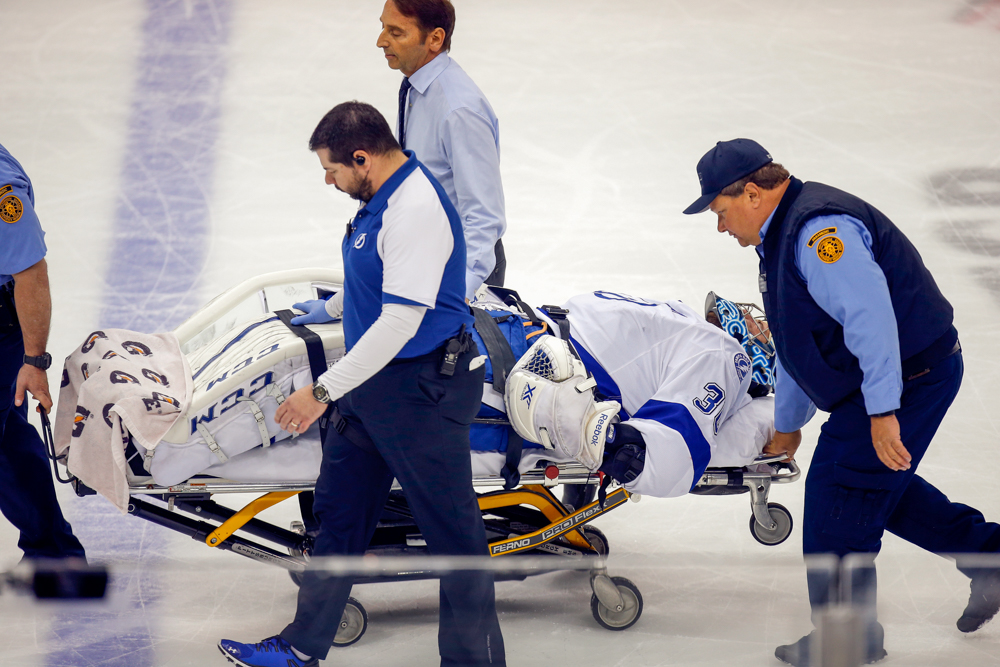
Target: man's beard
[(363, 191)]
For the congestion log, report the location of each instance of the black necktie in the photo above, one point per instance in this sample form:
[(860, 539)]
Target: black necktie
[(403, 89)]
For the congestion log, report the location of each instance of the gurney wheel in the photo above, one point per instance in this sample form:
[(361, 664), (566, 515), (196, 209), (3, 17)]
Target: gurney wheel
[(612, 619), (353, 624), (597, 539), (783, 528)]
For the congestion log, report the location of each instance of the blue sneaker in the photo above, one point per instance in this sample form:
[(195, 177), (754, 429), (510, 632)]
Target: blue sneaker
[(272, 652)]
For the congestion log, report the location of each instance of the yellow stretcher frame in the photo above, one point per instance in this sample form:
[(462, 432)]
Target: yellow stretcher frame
[(561, 521)]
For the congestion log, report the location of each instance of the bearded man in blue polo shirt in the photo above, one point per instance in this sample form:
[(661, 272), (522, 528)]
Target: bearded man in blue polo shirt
[(407, 391), (862, 332)]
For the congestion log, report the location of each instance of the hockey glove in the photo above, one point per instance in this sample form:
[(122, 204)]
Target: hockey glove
[(624, 454), (550, 400), (315, 312)]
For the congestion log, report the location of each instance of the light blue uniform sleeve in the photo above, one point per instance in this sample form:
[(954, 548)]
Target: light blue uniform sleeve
[(846, 282), (471, 146), (792, 408), (22, 241)]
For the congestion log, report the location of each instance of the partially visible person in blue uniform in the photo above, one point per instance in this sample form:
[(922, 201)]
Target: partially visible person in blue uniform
[(27, 494), (862, 332), (407, 391), (446, 120)]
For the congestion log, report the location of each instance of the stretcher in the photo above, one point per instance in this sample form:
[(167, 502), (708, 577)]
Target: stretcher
[(528, 519)]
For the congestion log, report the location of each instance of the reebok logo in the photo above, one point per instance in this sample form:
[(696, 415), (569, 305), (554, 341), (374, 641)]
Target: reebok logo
[(595, 438)]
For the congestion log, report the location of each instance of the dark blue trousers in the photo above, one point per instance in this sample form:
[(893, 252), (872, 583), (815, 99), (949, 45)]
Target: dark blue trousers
[(27, 494), (419, 422), (851, 497)]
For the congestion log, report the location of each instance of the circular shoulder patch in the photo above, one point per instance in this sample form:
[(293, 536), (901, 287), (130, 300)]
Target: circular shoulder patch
[(11, 209), (830, 249)]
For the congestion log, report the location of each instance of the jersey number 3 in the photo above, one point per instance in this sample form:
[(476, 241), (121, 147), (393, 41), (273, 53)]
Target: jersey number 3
[(714, 399)]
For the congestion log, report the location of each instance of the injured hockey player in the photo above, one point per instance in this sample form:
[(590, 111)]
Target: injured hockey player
[(672, 394), (647, 391)]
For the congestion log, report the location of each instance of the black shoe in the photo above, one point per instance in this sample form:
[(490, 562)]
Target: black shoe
[(984, 601), (797, 654)]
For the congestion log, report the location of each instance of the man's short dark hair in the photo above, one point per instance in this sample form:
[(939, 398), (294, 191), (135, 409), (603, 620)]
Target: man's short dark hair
[(768, 177), (430, 14), (353, 126)]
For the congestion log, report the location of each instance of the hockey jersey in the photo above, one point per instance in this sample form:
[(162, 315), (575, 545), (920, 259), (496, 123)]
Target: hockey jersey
[(681, 381)]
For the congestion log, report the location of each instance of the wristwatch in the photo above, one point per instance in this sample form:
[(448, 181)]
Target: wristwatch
[(42, 362), (320, 393)]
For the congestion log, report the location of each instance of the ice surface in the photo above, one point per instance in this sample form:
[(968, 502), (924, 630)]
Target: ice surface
[(605, 108)]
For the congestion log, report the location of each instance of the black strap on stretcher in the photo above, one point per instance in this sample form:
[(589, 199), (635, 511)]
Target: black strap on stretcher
[(314, 350), (314, 344), (502, 359), (558, 315), (317, 366), (512, 298), (316, 354)]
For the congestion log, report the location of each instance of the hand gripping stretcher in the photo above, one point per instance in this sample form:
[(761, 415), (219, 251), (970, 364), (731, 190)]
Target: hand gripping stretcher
[(528, 519)]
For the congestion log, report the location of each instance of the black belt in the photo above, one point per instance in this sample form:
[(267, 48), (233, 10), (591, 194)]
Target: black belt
[(932, 355), (447, 353)]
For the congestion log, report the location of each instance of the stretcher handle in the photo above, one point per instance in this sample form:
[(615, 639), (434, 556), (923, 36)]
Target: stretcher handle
[(238, 520), (236, 295), (50, 448)]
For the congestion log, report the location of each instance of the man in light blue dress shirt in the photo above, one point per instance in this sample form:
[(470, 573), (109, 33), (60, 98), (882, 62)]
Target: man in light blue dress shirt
[(449, 124)]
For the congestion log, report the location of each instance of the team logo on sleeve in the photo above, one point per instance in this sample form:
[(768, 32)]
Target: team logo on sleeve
[(156, 401), (92, 341), (65, 379), (121, 377), (79, 421), (743, 366), (11, 209), (133, 347), (109, 354), (830, 249), (106, 412), (86, 371), (155, 377)]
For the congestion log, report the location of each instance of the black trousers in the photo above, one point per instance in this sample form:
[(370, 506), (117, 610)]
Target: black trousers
[(419, 423), (851, 498), (27, 494)]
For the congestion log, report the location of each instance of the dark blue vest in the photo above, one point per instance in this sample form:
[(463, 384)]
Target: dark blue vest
[(809, 342)]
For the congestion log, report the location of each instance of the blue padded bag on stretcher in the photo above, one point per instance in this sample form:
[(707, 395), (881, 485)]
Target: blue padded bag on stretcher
[(515, 330)]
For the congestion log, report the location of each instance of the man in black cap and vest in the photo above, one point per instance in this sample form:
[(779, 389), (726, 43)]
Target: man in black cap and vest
[(862, 332)]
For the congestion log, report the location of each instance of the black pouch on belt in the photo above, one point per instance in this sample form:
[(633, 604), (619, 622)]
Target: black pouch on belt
[(8, 313), (454, 347)]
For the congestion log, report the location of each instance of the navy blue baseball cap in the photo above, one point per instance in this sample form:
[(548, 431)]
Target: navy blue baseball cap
[(725, 164)]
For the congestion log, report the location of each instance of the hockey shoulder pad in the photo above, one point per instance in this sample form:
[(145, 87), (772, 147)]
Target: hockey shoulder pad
[(550, 401)]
